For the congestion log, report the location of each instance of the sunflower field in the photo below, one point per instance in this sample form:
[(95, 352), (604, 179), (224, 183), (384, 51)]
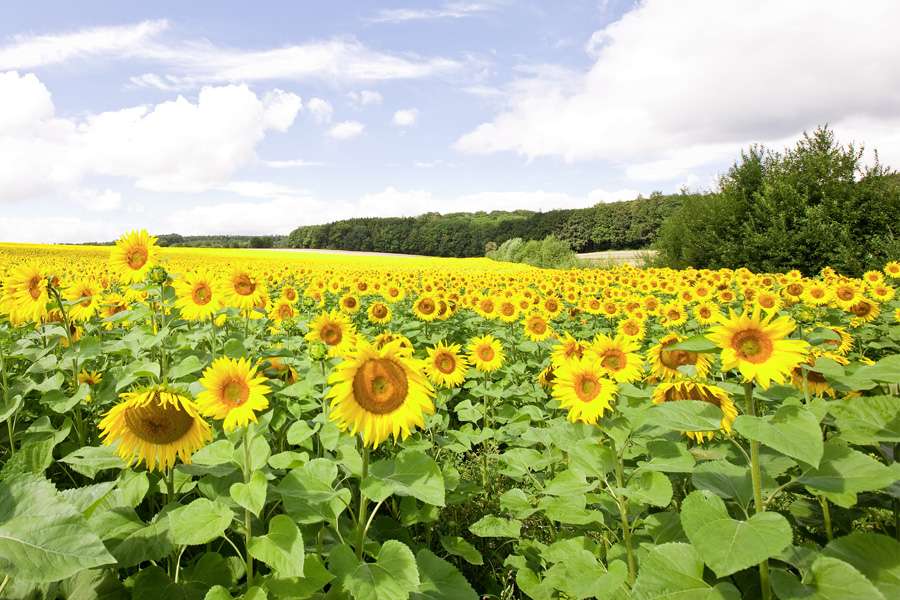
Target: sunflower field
[(211, 424)]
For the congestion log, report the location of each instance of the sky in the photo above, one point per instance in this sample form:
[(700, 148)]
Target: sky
[(253, 118)]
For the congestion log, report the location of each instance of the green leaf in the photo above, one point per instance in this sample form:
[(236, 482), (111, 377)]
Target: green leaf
[(874, 555), (199, 522), (308, 494), (439, 580), (843, 473), (251, 496), (458, 546), (42, 537), (591, 458), (886, 370), (282, 549), (728, 545), (90, 460), (792, 430), (685, 415), (567, 483), (697, 343), (190, 364), (829, 579), (724, 479), (650, 487), (411, 473), (675, 572), (868, 420), (494, 526), (668, 457), (393, 575)]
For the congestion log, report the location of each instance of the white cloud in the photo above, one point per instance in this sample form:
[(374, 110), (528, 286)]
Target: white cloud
[(346, 130), (365, 98), (172, 146), (97, 200), (681, 85), (450, 10), (46, 229), (599, 195), (320, 109), (406, 117), (27, 52), (295, 163)]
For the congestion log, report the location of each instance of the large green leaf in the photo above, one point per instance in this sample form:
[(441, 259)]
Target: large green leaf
[(844, 473), (875, 556), (675, 572), (728, 545), (650, 487), (685, 415), (725, 479), (697, 343), (252, 495), (199, 522), (868, 420), (494, 526), (828, 579), (393, 575), (410, 473), (43, 537), (458, 546), (439, 580), (792, 430), (282, 549), (308, 493)]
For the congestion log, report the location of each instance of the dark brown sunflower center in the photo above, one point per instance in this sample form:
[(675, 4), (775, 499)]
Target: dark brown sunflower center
[(158, 424), (426, 306), (235, 392), (845, 293), (752, 345), (537, 326), (243, 285), (587, 386), (350, 302), (34, 287), (445, 362), (380, 386), (691, 391), (379, 311), (202, 294), (861, 309), (136, 257), (508, 309), (331, 334)]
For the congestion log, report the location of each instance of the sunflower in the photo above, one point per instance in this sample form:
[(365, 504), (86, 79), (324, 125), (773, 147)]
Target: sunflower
[(816, 384), (817, 294), (842, 344), (673, 315), (882, 292), (90, 377), (664, 363), (547, 376), (112, 305), (632, 328), (758, 348), (242, 290), (26, 288), (693, 390), (289, 293), (379, 393), (155, 426), (486, 353), (197, 296), (892, 269), (232, 391), (349, 304), (508, 311), (863, 311), (133, 256), (768, 301), (567, 349), (334, 330), (425, 308), (536, 328), (282, 310), (383, 339), (707, 313), (618, 357), (84, 297), (379, 313), (846, 294), (580, 386), (445, 366)]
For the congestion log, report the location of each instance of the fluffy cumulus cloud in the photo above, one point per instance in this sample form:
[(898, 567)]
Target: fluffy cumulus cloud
[(406, 117), (346, 130), (321, 110), (364, 98), (177, 145), (680, 85)]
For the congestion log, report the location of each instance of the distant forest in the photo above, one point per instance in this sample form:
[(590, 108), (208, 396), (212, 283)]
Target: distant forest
[(617, 225)]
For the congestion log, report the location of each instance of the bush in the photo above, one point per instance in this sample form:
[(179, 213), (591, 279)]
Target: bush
[(549, 253)]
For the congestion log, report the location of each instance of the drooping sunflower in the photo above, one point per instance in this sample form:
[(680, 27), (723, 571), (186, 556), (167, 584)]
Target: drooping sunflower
[(155, 426), (664, 363), (816, 384), (242, 289), (536, 328), (673, 391), (134, 254), (85, 298), (618, 357), (379, 313), (842, 343), (233, 392), (334, 330), (446, 366), (379, 393), (486, 353), (758, 346), (26, 288), (383, 339), (581, 387), (547, 376), (197, 296)]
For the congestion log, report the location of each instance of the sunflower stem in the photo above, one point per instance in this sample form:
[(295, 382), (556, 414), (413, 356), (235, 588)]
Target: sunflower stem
[(363, 506), (170, 497), (485, 480), (756, 475), (626, 527), (826, 515), (248, 518)]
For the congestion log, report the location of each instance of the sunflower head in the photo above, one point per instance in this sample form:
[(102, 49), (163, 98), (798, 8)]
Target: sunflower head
[(233, 392), (334, 330), (379, 313), (134, 254), (446, 366), (486, 353), (379, 393), (536, 328), (155, 426), (581, 386)]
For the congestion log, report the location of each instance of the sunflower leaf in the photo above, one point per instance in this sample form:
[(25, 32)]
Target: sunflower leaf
[(792, 430)]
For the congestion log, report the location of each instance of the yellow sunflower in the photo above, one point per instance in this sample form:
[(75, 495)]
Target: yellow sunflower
[(486, 353), (567, 349), (536, 328), (692, 390), (758, 348), (379, 393), (26, 288), (232, 392), (134, 254), (547, 376), (379, 313), (664, 363), (349, 304), (863, 311), (425, 308), (197, 296), (816, 384), (707, 313), (445, 366), (580, 387), (84, 297), (383, 339), (618, 357), (243, 290), (155, 426), (282, 310), (892, 269), (334, 330), (632, 328)]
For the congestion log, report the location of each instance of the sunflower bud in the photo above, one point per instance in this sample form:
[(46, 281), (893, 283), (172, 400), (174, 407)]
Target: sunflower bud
[(317, 351), (158, 275)]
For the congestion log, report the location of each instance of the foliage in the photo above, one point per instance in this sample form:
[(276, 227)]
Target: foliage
[(548, 253)]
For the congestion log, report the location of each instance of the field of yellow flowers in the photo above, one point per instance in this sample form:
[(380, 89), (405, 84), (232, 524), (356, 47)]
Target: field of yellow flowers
[(218, 424)]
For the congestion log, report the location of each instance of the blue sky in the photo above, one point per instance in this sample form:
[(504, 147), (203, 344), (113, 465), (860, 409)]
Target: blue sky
[(251, 118)]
